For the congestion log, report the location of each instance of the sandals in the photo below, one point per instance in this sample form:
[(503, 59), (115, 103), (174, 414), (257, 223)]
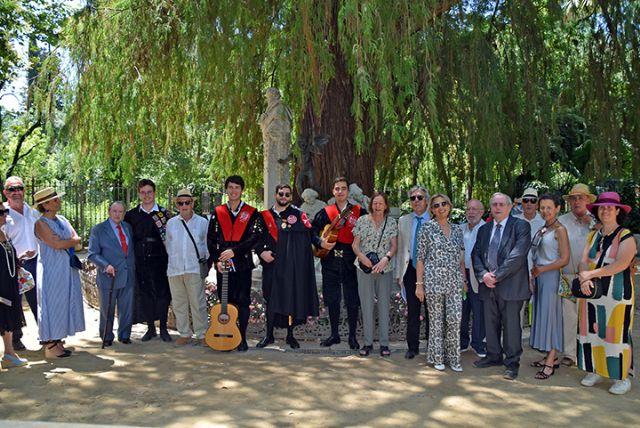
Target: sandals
[(541, 375), (542, 364), (567, 362), (365, 350), (384, 351), (55, 345)]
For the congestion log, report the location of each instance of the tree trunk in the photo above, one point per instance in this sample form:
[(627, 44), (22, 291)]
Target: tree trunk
[(327, 140)]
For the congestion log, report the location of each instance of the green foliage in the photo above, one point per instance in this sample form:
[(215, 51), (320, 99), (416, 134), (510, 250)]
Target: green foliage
[(467, 97)]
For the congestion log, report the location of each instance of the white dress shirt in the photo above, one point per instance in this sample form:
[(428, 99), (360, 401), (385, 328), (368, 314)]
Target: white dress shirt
[(20, 228), (182, 254)]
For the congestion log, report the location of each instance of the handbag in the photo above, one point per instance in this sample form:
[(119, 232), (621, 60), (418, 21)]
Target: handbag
[(25, 280), (74, 261), (373, 255), (596, 289), (204, 265)]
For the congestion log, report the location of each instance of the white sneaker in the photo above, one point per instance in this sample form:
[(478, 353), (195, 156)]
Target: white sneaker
[(480, 354), (591, 379), (438, 367), (456, 368), (620, 387)]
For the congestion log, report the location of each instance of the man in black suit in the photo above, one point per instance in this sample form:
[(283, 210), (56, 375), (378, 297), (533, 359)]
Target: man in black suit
[(500, 264)]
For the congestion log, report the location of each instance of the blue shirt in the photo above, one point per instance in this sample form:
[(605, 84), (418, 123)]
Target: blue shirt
[(114, 227), (425, 218)]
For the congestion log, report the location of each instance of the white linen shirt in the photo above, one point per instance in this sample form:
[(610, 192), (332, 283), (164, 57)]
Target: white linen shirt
[(20, 228), (182, 254)]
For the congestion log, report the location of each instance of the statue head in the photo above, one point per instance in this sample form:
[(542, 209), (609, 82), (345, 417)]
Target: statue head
[(272, 94), (309, 195)]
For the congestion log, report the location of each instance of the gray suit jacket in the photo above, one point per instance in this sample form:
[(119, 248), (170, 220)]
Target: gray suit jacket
[(512, 272), (403, 254), (105, 250)]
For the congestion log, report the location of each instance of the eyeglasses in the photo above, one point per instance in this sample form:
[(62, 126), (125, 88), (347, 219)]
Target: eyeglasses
[(15, 189), (284, 195), (416, 198), (181, 203), (3, 212), (529, 200), (441, 204)]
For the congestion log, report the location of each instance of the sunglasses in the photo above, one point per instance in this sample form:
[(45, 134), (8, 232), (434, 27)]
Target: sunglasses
[(181, 203), (15, 189), (416, 198), (284, 195), (440, 204), (3, 212), (529, 200)]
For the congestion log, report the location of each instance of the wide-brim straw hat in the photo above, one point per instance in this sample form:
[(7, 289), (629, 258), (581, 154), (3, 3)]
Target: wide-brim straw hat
[(609, 199), (580, 189), (45, 195), (184, 193)]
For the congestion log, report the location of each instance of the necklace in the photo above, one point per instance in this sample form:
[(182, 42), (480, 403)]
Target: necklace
[(549, 225), (8, 255)]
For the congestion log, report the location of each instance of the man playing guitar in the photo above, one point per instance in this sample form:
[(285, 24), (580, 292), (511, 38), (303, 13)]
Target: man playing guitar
[(338, 269), (231, 236)]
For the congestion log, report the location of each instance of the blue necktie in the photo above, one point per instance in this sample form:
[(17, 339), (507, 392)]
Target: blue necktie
[(414, 253), (492, 256)]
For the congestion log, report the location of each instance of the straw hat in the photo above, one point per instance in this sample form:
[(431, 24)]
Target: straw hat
[(580, 189), (184, 193), (530, 193), (45, 195)]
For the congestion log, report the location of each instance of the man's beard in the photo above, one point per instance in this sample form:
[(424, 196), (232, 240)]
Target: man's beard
[(281, 205)]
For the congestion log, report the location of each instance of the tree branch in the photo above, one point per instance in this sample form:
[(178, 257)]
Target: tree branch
[(21, 140)]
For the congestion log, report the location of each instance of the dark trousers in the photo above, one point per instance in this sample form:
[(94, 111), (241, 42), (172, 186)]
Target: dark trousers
[(239, 293), (472, 304), (123, 298), (502, 317), (413, 310), (339, 279), (32, 295)]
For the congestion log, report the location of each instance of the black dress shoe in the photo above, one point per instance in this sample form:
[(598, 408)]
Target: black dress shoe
[(242, 347), (353, 343), (291, 341), (150, 334), (485, 362), (331, 340), (18, 345), (107, 343), (510, 374), (126, 341), (410, 354), (164, 335), (267, 340)]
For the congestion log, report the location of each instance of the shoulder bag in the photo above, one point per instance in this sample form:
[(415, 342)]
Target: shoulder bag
[(204, 266)]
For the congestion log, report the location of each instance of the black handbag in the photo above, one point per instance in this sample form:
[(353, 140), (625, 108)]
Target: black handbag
[(204, 264), (596, 289), (74, 261), (373, 255)]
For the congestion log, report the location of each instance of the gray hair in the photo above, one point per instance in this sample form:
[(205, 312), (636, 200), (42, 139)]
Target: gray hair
[(13, 178), (419, 189), (507, 197), (116, 203)]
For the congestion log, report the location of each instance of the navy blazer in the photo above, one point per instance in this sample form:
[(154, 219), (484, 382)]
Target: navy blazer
[(512, 273), (105, 250)]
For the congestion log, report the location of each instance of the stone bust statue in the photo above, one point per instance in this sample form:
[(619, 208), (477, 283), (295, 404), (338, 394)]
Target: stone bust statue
[(311, 204)]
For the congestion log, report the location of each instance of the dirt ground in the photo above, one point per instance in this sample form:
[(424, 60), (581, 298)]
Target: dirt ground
[(158, 384)]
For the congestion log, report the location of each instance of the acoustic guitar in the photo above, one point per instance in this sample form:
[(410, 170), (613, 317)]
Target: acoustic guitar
[(330, 233), (223, 333)]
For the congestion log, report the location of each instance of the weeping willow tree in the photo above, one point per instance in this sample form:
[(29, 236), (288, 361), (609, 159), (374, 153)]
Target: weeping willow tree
[(466, 96)]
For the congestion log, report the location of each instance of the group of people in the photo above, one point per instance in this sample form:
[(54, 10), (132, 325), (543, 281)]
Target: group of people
[(473, 279)]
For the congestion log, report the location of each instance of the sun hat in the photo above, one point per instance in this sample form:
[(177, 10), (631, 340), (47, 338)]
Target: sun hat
[(609, 199), (184, 193), (580, 189), (45, 195), (530, 192)]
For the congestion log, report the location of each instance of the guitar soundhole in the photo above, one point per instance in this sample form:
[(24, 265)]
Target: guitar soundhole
[(223, 318)]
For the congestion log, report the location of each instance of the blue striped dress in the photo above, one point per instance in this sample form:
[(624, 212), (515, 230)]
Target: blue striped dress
[(60, 310)]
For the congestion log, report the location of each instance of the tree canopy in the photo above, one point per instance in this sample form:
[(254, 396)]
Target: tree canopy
[(466, 97)]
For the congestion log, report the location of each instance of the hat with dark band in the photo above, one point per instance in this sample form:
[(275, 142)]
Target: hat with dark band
[(45, 195)]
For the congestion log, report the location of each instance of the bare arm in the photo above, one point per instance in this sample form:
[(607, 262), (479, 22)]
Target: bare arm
[(626, 253), (44, 232)]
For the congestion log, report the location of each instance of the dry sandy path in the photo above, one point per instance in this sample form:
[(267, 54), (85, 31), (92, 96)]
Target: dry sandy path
[(158, 384)]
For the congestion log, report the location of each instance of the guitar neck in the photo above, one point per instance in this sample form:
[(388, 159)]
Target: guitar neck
[(225, 292)]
